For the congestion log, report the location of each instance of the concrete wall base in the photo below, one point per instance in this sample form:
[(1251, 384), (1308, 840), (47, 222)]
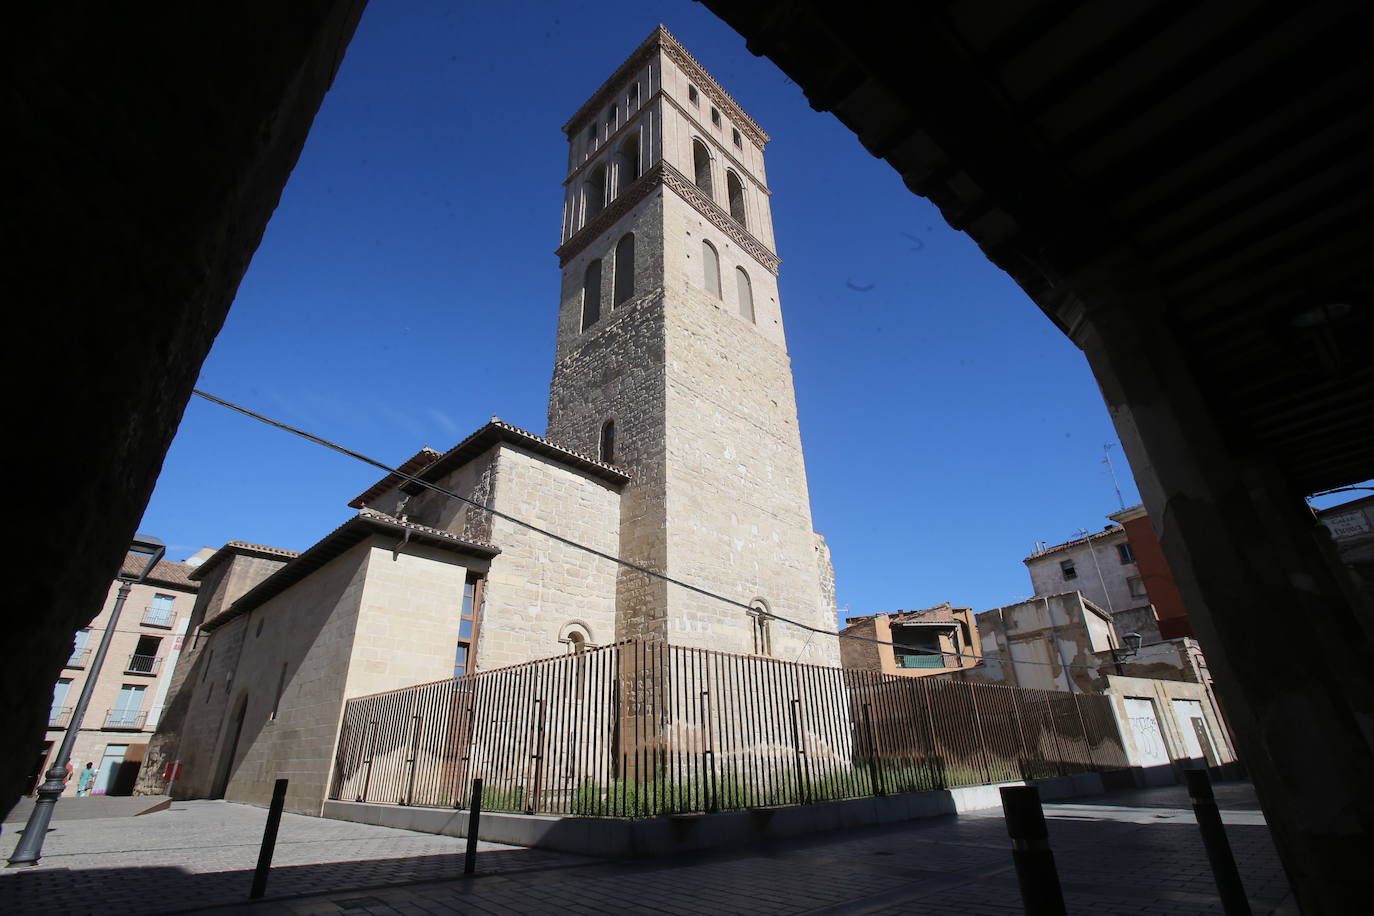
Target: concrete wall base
[(619, 839)]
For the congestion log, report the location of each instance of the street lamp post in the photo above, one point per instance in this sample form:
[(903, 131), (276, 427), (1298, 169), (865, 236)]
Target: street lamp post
[(30, 848)]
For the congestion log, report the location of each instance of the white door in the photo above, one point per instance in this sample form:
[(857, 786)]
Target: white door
[(1191, 722), (1150, 748)]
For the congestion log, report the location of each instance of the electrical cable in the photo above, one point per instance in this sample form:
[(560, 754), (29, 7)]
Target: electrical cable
[(343, 450)]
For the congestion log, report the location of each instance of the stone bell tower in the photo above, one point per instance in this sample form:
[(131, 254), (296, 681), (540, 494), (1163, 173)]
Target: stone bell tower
[(671, 361)]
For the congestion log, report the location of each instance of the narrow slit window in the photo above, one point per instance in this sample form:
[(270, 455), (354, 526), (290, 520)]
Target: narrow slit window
[(624, 269), (608, 442), (632, 100), (745, 289)]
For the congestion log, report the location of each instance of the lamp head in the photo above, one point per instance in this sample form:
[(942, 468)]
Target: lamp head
[(150, 546)]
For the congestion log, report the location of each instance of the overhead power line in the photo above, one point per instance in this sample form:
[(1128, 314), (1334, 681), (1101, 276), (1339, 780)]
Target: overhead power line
[(577, 545)]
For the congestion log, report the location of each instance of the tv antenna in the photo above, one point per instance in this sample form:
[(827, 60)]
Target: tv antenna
[(1107, 460)]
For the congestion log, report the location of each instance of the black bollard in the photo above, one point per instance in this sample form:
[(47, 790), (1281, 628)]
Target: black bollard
[(1229, 888), (269, 840), (1030, 850), (474, 818)]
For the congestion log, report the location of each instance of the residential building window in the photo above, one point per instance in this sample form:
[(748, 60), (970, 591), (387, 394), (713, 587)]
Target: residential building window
[(1126, 554), (145, 659), (127, 712), (715, 117), (735, 190), (58, 714), (710, 266), (632, 100), (467, 625), (734, 135), (159, 612), (692, 95), (79, 650), (745, 291), (591, 294), (610, 119), (624, 269), (608, 442), (701, 166), (1066, 567), (1137, 586)]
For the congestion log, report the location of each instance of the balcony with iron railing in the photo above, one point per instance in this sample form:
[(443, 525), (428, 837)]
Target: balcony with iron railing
[(60, 718), (161, 617), (79, 658), (143, 664), (131, 719), (921, 660)]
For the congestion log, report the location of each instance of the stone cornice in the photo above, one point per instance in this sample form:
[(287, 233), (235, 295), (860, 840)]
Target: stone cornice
[(720, 146), (661, 38), (703, 204), (663, 174), (617, 208), (693, 68)]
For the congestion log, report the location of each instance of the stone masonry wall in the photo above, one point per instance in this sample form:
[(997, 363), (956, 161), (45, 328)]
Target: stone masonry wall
[(615, 371), (739, 508), (538, 587)]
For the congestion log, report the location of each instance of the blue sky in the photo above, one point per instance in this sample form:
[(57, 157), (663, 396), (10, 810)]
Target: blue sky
[(406, 290)]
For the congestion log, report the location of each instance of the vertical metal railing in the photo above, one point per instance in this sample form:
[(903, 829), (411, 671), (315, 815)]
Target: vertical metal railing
[(639, 729)]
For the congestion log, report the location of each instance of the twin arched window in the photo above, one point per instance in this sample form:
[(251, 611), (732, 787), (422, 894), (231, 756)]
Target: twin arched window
[(744, 289)]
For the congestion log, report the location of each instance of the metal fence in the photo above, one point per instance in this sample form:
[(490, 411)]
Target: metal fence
[(639, 729)]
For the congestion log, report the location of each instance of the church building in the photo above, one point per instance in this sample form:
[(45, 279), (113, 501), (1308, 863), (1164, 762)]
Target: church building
[(672, 455)]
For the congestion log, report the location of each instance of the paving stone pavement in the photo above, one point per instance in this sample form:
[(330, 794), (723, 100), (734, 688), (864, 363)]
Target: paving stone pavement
[(1125, 853)]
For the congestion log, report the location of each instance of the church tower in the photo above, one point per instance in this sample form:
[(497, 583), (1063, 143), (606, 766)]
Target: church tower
[(671, 362)]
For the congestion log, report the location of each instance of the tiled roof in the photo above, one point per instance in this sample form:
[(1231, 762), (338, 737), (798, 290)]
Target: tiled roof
[(412, 465), (232, 548), (352, 532), (166, 572), (1106, 532), (500, 431), (940, 613)]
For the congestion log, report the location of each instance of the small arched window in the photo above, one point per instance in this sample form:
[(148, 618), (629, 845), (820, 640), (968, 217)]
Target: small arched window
[(608, 442), (591, 294), (624, 269), (701, 166), (710, 265), (759, 617), (736, 189), (745, 289), (595, 191)]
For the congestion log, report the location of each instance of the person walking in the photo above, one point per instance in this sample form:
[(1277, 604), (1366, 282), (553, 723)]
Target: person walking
[(83, 782)]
